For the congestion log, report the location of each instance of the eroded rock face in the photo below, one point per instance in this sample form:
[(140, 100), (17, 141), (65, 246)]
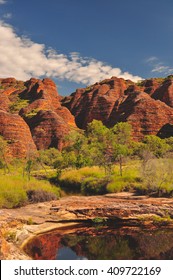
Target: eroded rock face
[(165, 92), (48, 129), (146, 105), (14, 129), (38, 104), (95, 102), (147, 116), (4, 102)]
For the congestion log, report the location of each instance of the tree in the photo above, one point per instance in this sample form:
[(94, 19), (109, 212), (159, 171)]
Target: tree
[(77, 149), (123, 132), (96, 131), (30, 161), (121, 135), (100, 145), (156, 145), (158, 177), (50, 156)]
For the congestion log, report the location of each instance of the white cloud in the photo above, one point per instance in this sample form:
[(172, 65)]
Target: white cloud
[(22, 58), (2, 2), (158, 66), (7, 15), (152, 59), (160, 69)]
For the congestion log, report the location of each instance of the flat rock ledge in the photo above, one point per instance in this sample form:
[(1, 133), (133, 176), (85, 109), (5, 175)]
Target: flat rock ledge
[(19, 225)]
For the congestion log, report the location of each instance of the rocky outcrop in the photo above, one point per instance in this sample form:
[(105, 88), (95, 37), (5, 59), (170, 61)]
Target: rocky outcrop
[(147, 105), (165, 92), (47, 119), (147, 116), (95, 102), (14, 129), (4, 102), (32, 113), (48, 129)]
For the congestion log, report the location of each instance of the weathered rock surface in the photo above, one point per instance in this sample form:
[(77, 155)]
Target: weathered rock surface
[(95, 102), (114, 100), (17, 133), (147, 116), (34, 114), (147, 106)]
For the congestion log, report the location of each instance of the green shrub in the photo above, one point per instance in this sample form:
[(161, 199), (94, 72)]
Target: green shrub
[(157, 178), (94, 186), (115, 186), (30, 221), (128, 182), (71, 180), (12, 196)]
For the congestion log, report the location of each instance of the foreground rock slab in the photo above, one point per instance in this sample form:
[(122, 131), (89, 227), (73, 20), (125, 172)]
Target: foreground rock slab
[(122, 208)]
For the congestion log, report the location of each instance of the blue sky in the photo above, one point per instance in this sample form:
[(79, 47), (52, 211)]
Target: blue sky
[(79, 42)]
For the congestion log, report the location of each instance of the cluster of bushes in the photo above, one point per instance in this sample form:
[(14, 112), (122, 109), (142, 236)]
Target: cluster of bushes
[(97, 161), (94, 181), (78, 180)]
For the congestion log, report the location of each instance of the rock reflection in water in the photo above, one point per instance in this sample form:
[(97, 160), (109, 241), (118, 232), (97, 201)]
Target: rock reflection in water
[(102, 243)]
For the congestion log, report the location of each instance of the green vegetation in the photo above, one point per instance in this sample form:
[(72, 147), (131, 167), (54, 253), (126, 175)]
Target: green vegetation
[(97, 161), (18, 104), (10, 236), (74, 180), (120, 163), (99, 220), (15, 190), (32, 113), (3, 155)]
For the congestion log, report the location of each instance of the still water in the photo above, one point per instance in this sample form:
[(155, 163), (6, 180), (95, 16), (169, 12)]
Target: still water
[(102, 243)]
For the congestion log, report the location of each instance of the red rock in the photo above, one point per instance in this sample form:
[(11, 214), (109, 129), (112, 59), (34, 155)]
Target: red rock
[(111, 101), (114, 100), (8, 81), (95, 102), (47, 119), (14, 129), (150, 85), (48, 129), (9, 91), (4, 102), (44, 116), (165, 92), (147, 116)]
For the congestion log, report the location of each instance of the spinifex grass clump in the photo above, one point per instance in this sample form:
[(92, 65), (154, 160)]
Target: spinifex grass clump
[(94, 186), (93, 180), (14, 191), (128, 182), (72, 180)]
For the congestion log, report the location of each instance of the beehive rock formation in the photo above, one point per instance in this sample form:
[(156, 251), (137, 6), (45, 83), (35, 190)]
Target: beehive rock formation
[(31, 115), (34, 116), (147, 106)]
